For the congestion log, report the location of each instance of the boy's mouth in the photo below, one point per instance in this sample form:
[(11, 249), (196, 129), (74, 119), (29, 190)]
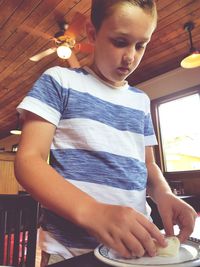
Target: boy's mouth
[(123, 70)]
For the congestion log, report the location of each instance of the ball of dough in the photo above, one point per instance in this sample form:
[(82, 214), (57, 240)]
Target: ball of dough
[(172, 248)]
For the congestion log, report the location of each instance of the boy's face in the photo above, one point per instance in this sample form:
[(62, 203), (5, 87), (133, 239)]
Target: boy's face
[(120, 43)]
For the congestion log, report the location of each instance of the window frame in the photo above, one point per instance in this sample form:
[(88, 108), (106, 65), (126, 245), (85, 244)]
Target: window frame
[(159, 155)]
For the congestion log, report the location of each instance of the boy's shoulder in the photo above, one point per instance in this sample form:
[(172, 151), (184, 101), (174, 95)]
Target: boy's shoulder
[(58, 70), (141, 95), (136, 90)]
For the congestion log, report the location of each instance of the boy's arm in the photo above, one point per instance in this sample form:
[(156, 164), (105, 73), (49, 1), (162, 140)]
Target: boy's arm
[(156, 184), (39, 178), (172, 209)]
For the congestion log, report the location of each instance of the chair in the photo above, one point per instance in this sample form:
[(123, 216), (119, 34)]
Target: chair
[(18, 230)]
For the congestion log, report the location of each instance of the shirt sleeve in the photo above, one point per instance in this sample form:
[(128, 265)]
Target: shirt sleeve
[(47, 98)]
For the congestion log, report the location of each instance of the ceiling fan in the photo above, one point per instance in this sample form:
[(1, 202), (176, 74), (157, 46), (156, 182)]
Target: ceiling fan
[(65, 43)]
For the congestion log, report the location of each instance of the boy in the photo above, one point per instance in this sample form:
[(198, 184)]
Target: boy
[(100, 136)]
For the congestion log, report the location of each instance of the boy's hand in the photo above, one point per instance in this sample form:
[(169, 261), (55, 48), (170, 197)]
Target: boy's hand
[(175, 211), (124, 230)]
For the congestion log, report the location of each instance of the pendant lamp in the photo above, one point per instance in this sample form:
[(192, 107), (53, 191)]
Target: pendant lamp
[(193, 59)]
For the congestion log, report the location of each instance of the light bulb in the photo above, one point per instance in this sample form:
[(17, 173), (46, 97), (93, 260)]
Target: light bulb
[(16, 132), (64, 51)]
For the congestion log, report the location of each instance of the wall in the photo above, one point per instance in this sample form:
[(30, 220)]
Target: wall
[(171, 82)]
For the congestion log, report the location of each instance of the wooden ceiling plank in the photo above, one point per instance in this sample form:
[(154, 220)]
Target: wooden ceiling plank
[(163, 4), (1, 2), (18, 17), (172, 8), (172, 37), (172, 21), (8, 10)]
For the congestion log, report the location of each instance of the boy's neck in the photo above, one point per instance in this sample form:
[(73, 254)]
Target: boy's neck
[(97, 73)]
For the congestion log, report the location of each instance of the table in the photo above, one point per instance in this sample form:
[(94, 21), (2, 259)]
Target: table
[(86, 260)]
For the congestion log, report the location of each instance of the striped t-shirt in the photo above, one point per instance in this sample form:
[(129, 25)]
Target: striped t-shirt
[(99, 143)]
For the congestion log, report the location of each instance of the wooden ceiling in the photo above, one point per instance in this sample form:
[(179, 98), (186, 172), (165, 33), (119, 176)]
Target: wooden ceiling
[(170, 43)]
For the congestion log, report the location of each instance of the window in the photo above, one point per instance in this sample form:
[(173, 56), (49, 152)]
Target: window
[(177, 124), (180, 133)]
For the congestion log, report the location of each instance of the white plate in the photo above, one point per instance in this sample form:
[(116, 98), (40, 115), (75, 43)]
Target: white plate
[(188, 256)]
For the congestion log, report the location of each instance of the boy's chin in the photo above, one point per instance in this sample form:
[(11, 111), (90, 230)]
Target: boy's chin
[(118, 83)]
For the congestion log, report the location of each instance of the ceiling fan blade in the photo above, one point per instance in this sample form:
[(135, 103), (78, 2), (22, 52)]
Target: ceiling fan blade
[(77, 25), (35, 32), (73, 61), (84, 47), (43, 54)]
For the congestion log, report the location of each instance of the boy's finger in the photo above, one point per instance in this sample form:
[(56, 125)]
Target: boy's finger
[(168, 225), (159, 237), (185, 232), (133, 245), (155, 233), (183, 235)]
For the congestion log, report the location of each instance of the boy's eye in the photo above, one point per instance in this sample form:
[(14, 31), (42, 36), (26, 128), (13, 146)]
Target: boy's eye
[(119, 42)]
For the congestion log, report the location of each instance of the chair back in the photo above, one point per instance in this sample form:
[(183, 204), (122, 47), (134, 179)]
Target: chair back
[(18, 230)]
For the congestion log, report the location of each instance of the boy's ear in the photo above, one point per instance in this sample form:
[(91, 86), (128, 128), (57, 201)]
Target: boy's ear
[(91, 32)]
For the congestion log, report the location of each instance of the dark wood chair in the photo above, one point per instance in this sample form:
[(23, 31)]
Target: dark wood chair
[(18, 230)]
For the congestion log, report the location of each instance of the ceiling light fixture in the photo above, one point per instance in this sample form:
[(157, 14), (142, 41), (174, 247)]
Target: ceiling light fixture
[(64, 51), (193, 59), (16, 132)]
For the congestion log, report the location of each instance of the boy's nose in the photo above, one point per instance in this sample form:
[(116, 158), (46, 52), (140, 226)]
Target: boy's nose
[(129, 56)]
